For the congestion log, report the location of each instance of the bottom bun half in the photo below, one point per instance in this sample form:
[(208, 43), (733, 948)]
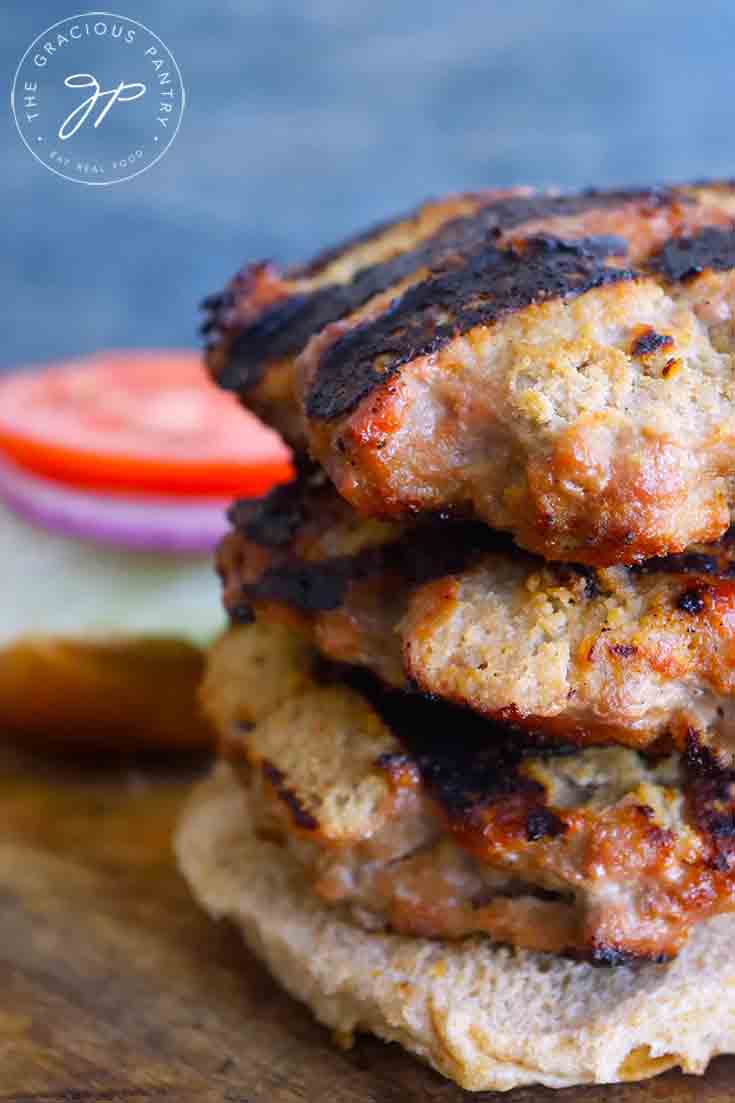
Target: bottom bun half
[(125, 693), (489, 1018)]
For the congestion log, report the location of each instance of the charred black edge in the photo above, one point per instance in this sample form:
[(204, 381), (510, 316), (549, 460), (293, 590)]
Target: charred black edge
[(421, 556), (306, 587), (284, 329), (489, 285), (479, 769), (300, 816), (480, 765), (466, 762), (717, 562), (476, 766), (710, 792), (274, 520), (437, 546), (683, 258), (650, 342)]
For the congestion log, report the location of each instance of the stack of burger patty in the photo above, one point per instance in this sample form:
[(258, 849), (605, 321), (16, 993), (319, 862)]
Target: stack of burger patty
[(481, 675)]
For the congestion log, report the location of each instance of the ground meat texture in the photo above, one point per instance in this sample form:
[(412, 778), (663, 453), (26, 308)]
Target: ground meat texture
[(644, 661), (264, 317), (571, 450), (639, 656), (514, 390), (404, 815)]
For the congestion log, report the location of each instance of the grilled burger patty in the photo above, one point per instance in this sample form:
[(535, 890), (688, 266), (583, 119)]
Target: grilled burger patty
[(264, 317), (532, 363), (405, 815), (642, 656)]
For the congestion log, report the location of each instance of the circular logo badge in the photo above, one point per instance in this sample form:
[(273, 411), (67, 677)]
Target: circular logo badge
[(98, 98)]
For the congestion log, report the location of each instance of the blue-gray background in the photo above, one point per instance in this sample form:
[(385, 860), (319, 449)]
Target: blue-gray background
[(308, 118)]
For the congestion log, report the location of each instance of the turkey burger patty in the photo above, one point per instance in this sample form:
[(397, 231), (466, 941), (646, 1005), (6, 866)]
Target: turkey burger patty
[(530, 361), (408, 816), (638, 656)]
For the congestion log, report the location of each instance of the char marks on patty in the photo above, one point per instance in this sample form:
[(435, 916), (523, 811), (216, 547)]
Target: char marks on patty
[(685, 257), (487, 286), (554, 464), (543, 388), (717, 560), (408, 815), (710, 790), (284, 327), (313, 550), (558, 652), (466, 762)]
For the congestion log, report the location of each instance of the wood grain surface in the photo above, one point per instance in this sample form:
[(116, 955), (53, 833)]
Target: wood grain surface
[(115, 988)]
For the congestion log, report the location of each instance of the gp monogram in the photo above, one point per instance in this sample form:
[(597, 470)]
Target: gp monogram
[(98, 98)]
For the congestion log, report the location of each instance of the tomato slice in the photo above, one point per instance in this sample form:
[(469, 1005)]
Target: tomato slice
[(140, 421)]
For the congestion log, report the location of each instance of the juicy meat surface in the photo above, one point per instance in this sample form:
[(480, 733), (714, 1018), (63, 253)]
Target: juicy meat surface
[(558, 366), (405, 815), (642, 656)]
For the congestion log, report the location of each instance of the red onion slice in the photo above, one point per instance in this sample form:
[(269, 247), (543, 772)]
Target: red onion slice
[(146, 522)]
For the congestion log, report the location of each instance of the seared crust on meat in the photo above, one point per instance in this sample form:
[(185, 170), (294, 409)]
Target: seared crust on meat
[(487, 1017), (264, 317), (478, 357), (643, 660), (598, 853), (542, 414), (302, 557), (683, 258), (489, 285), (641, 656)]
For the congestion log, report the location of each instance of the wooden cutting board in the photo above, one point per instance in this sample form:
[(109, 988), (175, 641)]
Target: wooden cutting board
[(115, 988)]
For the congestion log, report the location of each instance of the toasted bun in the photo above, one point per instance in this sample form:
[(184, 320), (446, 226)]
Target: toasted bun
[(486, 1017), (126, 693)]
